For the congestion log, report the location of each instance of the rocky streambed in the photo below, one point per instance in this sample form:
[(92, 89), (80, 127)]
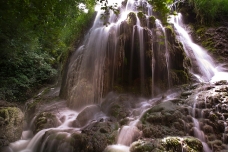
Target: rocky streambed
[(192, 118)]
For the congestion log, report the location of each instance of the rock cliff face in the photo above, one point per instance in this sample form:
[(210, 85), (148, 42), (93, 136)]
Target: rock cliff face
[(163, 63), (139, 56), (11, 123)]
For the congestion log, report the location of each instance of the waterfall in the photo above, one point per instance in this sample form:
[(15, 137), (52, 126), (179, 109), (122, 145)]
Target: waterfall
[(121, 54), (159, 25), (130, 55), (203, 66)]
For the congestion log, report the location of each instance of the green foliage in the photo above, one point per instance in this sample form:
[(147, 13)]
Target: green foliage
[(209, 11), (107, 8), (35, 37), (161, 7)]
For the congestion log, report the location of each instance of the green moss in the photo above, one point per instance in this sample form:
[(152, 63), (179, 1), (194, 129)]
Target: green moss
[(4, 113), (142, 18), (189, 144), (152, 21), (131, 18), (115, 110), (201, 30), (172, 143), (175, 13), (179, 76), (141, 146), (169, 27), (140, 15), (61, 136), (187, 62), (194, 144)]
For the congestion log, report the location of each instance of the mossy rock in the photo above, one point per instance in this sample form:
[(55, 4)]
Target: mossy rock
[(164, 106), (89, 113), (163, 119), (116, 106), (179, 77), (11, 125), (91, 138), (152, 21), (131, 18), (56, 141), (142, 146), (142, 18), (172, 144), (45, 120), (99, 135), (193, 144), (168, 144)]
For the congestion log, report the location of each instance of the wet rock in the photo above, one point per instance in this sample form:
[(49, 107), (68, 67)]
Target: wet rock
[(225, 115), (179, 144), (162, 120), (131, 18), (152, 22), (93, 138), (90, 113), (179, 63), (186, 93), (11, 123), (212, 116), (193, 144), (222, 82), (187, 144), (128, 134), (142, 18), (207, 129), (217, 145), (56, 141), (179, 77), (117, 106), (214, 39), (141, 146), (97, 139), (45, 120), (81, 94)]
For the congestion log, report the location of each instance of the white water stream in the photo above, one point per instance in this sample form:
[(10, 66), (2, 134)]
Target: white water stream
[(203, 65), (28, 143)]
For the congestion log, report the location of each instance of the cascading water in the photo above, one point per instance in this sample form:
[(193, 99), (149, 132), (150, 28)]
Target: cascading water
[(159, 25), (203, 66), (120, 55), (197, 130)]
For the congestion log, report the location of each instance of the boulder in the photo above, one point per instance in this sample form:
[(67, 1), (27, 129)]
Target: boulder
[(11, 123), (45, 120), (87, 115)]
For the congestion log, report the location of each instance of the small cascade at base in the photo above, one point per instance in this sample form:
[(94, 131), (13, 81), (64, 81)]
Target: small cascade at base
[(198, 133)]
